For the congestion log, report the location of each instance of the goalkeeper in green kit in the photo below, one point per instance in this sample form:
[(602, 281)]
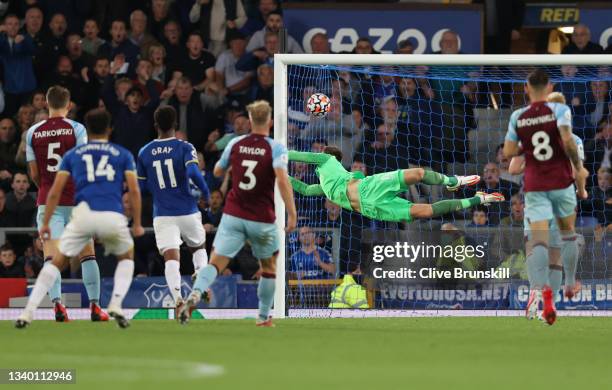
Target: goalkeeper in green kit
[(375, 196)]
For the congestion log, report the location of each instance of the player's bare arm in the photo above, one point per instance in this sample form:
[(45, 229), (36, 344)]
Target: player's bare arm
[(33, 172), (218, 171), (53, 199), (517, 165), (571, 150), (134, 194), (286, 192), (511, 148)]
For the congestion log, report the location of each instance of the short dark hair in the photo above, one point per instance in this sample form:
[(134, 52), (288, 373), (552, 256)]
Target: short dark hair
[(165, 118), (538, 78), (334, 151), (97, 121), (58, 97), (6, 247), (275, 12), (19, 173)]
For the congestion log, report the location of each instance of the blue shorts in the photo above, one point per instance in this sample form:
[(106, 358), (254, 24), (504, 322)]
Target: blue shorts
[(546, 205), (554, 234), (233, 232), (59, 219)]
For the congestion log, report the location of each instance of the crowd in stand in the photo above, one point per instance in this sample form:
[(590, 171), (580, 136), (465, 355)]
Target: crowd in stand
[(208, 59)]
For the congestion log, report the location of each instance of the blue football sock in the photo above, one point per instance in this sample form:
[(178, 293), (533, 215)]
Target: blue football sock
[(91, 278), (537, 264), (206, 277), (55, 292), (265, 293), (569, 255)]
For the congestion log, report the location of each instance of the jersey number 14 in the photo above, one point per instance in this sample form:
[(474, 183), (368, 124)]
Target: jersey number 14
[(103, 169)]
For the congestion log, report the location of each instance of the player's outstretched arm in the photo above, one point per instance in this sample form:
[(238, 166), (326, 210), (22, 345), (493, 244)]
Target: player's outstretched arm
[(517, 165), (135, 201), (305, 189), (53, 198), (571, 150), (286, 192), (309, 157)]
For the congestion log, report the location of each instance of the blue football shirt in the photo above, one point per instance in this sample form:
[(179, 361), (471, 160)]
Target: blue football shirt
[(162, 163), (98, 171)]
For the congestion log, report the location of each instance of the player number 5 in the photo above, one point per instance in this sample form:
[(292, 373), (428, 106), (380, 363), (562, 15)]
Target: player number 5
[(52, 156), (248, 174)]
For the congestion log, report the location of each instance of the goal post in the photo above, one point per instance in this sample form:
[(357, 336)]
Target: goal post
[(348, 62)]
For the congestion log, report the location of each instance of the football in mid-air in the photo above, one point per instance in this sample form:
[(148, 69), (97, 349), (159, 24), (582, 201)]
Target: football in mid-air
[(318, 104)]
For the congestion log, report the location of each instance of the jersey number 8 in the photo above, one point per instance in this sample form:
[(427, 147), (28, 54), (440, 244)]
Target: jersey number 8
[(542, 151)]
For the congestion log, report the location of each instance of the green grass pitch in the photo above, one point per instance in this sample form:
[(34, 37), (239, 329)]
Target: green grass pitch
[(320, 354)]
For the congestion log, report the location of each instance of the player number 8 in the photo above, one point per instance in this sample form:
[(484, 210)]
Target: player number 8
[(542, 151)]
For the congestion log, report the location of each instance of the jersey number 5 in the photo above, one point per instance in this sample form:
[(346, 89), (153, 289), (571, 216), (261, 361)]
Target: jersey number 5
[(248, 174), (104, 169), (52, 156), (542, 151)]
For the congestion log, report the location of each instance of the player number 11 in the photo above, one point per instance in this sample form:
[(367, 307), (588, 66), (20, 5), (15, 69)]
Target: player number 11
[(160, 176)]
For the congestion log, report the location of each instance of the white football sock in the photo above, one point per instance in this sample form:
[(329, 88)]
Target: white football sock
[(200, 259), (48, 275), (173, 278), (123, 278)]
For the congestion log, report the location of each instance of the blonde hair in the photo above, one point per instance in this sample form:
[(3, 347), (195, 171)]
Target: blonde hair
[(555, 97), (260, 112)]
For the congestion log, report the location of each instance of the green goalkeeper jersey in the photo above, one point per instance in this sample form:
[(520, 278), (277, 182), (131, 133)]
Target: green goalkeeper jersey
[(333, 178)]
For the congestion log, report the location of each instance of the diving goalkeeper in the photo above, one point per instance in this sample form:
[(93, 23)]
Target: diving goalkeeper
[(375, 196)]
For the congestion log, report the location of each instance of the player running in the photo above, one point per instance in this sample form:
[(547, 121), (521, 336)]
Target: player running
[(256, 160), (375, 196), (558, 260), (545, 132), (165, 167), (99, 169), (46, 144)]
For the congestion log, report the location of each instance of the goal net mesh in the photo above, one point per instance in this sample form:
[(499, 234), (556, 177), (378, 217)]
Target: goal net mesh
[(451, 119)]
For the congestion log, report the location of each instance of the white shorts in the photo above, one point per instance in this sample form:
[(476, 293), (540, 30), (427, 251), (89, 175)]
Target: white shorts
[(172, 231), (110, 227)]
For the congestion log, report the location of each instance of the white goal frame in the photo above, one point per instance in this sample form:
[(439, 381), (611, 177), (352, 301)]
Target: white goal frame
[(281, 61)]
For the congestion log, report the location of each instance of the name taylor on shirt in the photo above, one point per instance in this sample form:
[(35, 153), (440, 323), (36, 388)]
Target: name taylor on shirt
[(252, 150)]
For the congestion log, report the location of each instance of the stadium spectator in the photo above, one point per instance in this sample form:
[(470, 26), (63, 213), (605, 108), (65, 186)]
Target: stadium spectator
[(157, 57), (9, 267), (122, 53), (504, 163), (310, 261), (171, 40), (242, 126), (383, 154), (198, 64), (229, 80), (5, 218), (211, 216), (33, 258), (263, 88), (319, 44), (16, 51), (159, 15), (599, 204), (25, 118), (80, 58), (53, 44), (8, 150), (503, 20), (596, 107), (144, 73), (479, 217), (575, 93), (91, 42), (258, 21), (263, 55), (581, 42), (212, 182), (274, 23), (215, 18), (20, 205), (195, 122), (334, 125), (38, 101), (491, 182), (33, 26), (65, 76), (139, 36), (449, 43), (94, 79), (364, 46), (517, 212), (598, 150), (404, 47)]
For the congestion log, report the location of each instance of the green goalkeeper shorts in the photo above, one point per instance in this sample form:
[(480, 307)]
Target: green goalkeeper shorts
[(379, 200)]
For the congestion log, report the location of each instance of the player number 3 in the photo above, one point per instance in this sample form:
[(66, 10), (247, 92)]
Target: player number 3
[(248, 174), (542, 151)]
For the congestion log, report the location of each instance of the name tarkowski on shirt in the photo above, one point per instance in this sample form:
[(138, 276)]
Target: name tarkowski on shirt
[(53, 133)]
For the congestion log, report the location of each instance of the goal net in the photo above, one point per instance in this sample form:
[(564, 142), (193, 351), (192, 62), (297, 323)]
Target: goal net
[(448, 114)]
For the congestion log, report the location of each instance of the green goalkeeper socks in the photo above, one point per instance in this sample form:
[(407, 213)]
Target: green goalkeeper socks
[(435, 178), (449, 206)]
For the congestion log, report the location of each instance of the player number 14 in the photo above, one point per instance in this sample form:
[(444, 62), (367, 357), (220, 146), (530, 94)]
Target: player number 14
[(104, 169)]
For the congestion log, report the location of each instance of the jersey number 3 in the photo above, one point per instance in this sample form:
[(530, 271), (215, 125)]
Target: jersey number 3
[(104, 169), (542, 151), (251, 180)]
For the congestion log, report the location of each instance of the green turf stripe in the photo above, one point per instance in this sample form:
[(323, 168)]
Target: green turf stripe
[(151, 314)]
